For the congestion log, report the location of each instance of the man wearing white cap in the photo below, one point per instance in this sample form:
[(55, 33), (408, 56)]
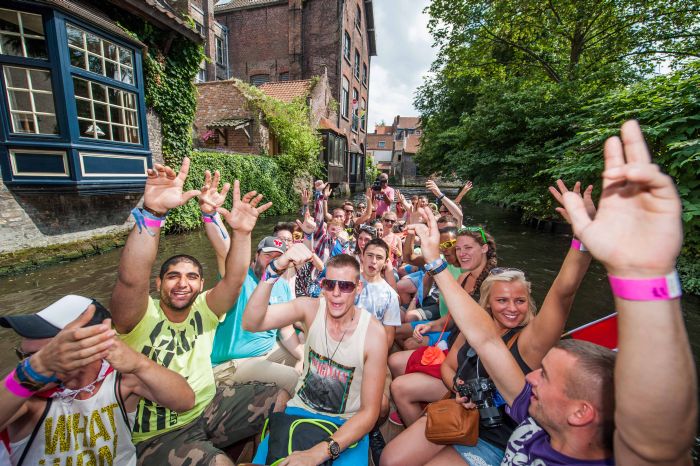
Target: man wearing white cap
[(242, 356), (73, 396)]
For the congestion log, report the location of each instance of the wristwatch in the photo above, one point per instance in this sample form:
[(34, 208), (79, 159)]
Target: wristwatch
[(333, 448), (434, 264)]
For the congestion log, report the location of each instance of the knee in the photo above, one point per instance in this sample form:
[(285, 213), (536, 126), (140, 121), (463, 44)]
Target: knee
[(398, 389)]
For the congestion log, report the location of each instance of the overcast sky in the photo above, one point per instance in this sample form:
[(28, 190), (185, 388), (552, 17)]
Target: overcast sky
[(404, 55)]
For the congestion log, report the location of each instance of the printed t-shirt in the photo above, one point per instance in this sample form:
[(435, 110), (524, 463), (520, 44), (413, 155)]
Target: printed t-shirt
[(456, 272), (529, 443), (383, 200), (381, 300), (231, 341), (181, 347)]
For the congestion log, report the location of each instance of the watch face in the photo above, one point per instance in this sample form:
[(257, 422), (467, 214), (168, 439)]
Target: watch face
[(334, 448)]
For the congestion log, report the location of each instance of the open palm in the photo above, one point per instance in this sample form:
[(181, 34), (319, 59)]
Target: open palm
[(210, 198), (245, 212), (637, 229), (163, 189)]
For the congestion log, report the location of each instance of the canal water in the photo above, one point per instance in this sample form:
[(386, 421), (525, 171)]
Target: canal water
[(538, 253)]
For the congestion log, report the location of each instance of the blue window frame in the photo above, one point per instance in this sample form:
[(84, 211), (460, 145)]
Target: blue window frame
[(72, 107)]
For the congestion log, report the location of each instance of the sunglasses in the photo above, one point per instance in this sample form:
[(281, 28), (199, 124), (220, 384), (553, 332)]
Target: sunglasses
[(343, 285), (448, 244), (500, 270), (389, 221), (21, 355), (479, 229)]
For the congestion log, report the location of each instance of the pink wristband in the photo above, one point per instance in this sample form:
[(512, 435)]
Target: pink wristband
[(647, 289), (15, 388), (207, 219), (149, 222), (576, 244)]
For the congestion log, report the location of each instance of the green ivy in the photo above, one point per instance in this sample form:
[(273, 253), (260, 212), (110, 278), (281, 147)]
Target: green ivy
[(169, 83), (290, 122), (256, 173)]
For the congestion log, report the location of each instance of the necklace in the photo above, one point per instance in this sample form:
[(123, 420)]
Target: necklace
[(341, 338)]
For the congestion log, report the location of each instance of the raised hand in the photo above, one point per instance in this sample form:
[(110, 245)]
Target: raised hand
[(245, 212), (637, 230), (163, 189), (431, 186), (309, 225), (305, 196), (123, 358), (369, 195), (75, 346), (327, 190), (558, 194), (467, 187), (296, 255), (210, 198), (428, 234)]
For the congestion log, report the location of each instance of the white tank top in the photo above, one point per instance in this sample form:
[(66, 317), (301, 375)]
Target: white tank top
[(94, 431), (332, 386)]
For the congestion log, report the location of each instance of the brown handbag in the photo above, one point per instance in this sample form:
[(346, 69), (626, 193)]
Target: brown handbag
[(449, 423)]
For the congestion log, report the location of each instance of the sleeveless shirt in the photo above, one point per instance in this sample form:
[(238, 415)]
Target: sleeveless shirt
[(332, 386), (92, 431)]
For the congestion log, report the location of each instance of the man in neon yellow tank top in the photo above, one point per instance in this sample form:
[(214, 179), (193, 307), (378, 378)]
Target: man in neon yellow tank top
[(177, 330), (345, 355)]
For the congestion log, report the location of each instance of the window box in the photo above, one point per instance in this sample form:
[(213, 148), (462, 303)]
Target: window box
[(73, 110)]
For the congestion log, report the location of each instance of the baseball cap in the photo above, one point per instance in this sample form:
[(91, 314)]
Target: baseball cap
[(53, 318), (272, 244)]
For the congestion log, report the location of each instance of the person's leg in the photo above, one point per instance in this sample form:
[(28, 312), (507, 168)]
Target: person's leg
[(238, 411), (406, 288), (413, 344), (481, 454), (410, 447), (449, 457), (280, 355), (411, 390), (397, 362), (224, 372), (182, 447), (260, 369)]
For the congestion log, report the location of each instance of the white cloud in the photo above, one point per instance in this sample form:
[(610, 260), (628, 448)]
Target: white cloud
[(404, 57)]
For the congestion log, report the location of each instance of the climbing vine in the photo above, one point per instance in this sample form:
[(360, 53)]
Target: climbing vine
[(300, 144), (170, 66)]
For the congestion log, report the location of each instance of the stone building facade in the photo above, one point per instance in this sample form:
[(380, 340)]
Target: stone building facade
[(286, 40)]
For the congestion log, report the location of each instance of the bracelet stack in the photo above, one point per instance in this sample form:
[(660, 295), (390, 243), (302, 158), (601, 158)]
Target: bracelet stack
[(271, 274), (147, 220), (24, 380)]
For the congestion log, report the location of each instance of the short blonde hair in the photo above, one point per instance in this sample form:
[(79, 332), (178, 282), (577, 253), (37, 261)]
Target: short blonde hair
[(507, 276)]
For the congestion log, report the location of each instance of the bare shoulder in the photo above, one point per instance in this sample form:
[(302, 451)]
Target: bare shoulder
[(375, 341)]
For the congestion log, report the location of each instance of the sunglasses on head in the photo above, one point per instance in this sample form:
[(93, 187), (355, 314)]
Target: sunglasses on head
[(448, 244), (343, 285), (500, 270), (371, 230), (21, 355), (479, 229)]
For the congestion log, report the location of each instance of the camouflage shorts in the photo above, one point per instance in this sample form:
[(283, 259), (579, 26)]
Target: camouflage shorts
[(237, 411)]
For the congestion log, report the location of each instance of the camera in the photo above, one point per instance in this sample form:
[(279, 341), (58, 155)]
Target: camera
[(377, 185), (481, 391)]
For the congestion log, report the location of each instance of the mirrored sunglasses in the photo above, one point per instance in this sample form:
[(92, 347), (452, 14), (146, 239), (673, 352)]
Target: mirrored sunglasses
[(343, 285)]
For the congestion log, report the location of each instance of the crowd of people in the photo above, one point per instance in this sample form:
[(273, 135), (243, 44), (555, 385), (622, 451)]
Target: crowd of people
[(359, 314)]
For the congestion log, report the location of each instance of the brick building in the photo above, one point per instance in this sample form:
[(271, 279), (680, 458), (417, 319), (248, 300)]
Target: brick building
[(286, 40), (393, 147)]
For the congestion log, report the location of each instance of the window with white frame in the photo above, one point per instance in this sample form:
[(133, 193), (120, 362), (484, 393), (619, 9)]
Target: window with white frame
[(356, 69), (364, 74), (381, 144), (22, 34), (345, 98), (363, 114), (30, 98), (355, 106), (106, 112), (220, 59), (346, 46), (201, 75), (93, 53)]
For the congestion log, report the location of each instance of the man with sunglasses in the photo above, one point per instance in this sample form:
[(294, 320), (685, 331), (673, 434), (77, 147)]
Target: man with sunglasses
[(78, 383), (345, 356), (384, 198), (587, 404)]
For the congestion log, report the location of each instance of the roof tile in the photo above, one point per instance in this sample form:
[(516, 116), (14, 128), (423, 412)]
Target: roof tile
[(287, 91)]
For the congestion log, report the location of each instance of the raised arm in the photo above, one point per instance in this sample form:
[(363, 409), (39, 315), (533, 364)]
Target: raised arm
[(463, 192), (478, 328), (454, 209), (144, 378), (259, 315), (546, 328), (326, 195), (242, 219), (364, 218), (163, 192), (211, 199), (637, 235)]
